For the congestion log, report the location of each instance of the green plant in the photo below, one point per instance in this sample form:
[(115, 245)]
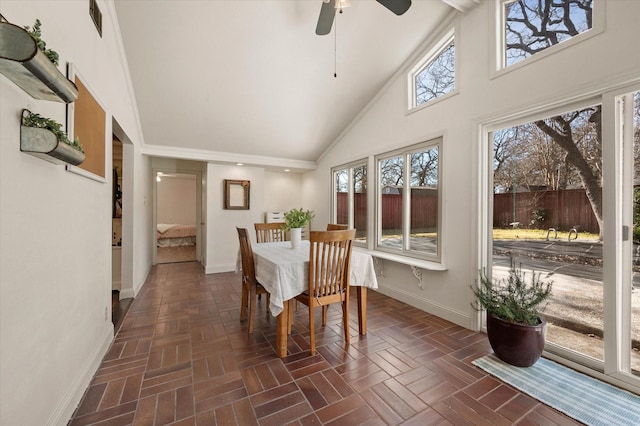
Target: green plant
[(538, 216), (36, 33), (31, 119), (297, 218), (512, 298)]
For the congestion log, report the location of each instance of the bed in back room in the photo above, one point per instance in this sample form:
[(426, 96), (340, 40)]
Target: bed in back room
[(173, 235)]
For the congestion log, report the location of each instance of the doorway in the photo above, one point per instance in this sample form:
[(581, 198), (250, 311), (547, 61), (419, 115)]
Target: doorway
[(119, 305), (121, 220), (176, 217)]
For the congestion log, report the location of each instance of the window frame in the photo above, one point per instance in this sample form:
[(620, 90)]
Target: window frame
[(498, 53), (432, 54), (406, 251), (350, 195)]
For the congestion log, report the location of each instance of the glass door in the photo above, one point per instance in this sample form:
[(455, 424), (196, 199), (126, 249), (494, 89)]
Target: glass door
[(547, 219), (562, 198)]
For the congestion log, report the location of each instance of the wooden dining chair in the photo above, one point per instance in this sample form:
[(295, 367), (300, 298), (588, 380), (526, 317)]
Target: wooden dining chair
[(336, 227), (269, 232), (251, 288), (329, 273)]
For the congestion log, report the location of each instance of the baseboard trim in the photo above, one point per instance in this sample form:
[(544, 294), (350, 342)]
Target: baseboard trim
[(71, 399), (456, 317), (127, 294), (215, 269)]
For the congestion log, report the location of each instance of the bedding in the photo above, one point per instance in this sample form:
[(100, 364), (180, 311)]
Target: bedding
[(173, 235)]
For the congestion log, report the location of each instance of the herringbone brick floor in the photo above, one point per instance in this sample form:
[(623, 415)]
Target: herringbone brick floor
[(182, 357)]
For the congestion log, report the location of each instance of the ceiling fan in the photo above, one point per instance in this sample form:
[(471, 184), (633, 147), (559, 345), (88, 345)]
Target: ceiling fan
[(328, 11)]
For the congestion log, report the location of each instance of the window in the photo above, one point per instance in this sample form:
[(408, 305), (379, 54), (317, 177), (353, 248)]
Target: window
[(350, 198), (531, 26), (408, 220), (435, 75)]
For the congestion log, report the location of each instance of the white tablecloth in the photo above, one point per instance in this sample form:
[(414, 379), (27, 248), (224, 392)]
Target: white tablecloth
[(284, 271)]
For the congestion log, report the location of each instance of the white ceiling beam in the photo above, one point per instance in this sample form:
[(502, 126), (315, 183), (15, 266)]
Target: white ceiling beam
[(462, 5)]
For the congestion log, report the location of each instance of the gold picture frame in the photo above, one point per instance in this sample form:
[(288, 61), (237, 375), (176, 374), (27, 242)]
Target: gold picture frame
[(236, 194)]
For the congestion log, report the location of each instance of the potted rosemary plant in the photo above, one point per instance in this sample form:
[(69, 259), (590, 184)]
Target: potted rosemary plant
[(515, 328)]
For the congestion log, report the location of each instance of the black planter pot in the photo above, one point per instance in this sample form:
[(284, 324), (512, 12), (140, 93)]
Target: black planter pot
[(516, 344)]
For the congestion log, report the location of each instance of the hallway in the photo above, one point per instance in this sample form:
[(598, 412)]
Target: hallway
[(182, 357)]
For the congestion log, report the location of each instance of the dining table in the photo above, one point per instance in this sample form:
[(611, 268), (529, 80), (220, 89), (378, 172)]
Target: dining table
[(284, 272)]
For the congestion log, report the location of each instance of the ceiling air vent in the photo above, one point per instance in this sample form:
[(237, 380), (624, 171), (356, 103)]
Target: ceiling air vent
[(96, 15)]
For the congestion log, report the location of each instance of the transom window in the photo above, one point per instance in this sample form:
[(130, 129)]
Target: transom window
[(532, 26), (435, 75)]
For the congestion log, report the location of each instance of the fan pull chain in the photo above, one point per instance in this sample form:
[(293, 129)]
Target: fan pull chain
[(335, 48)]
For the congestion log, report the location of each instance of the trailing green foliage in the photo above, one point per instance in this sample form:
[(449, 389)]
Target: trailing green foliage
[(512, 298), (36, 34), (36, 120), (297, 218)]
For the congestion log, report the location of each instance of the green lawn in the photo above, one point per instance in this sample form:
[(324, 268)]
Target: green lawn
[(537, 234)]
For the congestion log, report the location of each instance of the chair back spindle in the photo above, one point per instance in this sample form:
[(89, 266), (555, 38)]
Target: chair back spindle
[(269, 232)]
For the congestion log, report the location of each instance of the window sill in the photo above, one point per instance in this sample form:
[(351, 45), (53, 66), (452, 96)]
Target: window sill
[(410, 261)]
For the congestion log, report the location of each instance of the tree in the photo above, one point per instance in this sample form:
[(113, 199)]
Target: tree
[(534, 25), (576, 130), (391, 171), (437, 78), (424, 168)]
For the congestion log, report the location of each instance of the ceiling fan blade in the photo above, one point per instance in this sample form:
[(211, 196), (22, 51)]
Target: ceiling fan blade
[(396, 6), (325, 20)]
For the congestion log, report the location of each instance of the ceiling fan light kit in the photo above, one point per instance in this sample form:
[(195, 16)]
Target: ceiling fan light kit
[(328, 11), (340, 4)]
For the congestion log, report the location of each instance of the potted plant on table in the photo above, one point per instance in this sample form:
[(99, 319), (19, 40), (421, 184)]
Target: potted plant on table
[(515, 328), (294, 221)]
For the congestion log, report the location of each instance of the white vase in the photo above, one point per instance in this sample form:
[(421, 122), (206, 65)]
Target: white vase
[(296, 237)]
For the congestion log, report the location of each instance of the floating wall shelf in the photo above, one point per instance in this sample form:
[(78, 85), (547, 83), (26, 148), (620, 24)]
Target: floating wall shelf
[(42, 143), (28, 67)]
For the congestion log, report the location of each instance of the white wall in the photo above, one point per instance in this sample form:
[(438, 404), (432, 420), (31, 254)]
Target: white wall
[(176, 199), (591, 65), (270, 191), (55, 269), (222, 237), (283, 191)]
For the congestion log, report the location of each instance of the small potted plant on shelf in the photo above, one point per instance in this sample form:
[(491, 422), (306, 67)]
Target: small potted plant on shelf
[(41, 135), (515, 328), (36, 33), (33, 67), (294, 221)]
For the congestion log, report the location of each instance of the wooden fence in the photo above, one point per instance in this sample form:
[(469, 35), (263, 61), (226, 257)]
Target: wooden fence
[(562, 210), (424, 210)]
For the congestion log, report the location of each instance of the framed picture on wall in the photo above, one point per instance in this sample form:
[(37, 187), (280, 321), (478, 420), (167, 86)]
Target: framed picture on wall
[(87, 120), (236, 194)]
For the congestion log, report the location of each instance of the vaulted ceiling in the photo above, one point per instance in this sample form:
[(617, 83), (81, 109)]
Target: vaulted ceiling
[(249, 80)]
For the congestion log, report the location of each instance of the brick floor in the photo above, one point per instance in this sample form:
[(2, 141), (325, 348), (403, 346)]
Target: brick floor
[(182, 357)]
